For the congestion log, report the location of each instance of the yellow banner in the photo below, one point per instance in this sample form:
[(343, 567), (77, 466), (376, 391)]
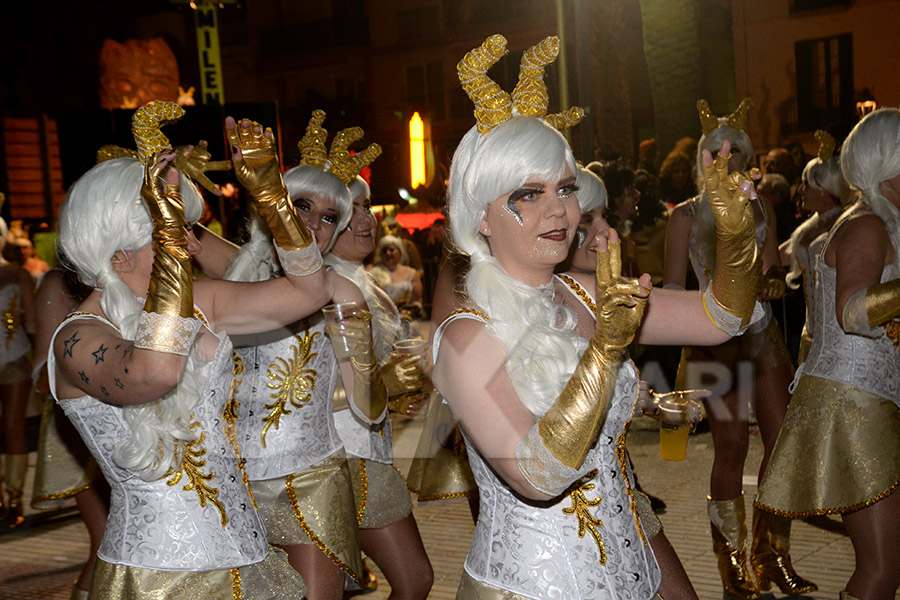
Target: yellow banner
[(211, 85)]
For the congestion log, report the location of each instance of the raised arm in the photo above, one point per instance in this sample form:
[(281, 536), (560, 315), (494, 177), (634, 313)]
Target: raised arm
[(216, 253), (305, 287), (540, 458)]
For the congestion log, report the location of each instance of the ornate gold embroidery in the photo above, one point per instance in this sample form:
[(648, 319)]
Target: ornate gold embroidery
[(230, 412), (292, 496), (470, 311), (11, 319), (580, 292), (191, 463), (236, 584), (622, 456), (586, 521), (293, 382), (892, 331)]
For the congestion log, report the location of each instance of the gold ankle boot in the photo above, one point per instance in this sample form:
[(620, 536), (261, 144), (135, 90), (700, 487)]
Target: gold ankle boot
[(769, 555), (16, 465), (729, 533)]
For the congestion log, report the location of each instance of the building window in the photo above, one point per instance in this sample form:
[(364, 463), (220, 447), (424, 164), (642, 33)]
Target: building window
[(825, 94), (425, 89)]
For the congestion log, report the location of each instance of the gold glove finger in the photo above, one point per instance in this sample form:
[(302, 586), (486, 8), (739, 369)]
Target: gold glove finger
[(219, 165), (231, 132), (258, 137), (615, 260), (709, 173), (604, 275), (246, 132)]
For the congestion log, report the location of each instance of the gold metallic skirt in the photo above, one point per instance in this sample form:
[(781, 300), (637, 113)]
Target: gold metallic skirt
[(838, 451), (314, 506), (381, 495), (471, 589), (65, 466), (440, 469), (270, 579)]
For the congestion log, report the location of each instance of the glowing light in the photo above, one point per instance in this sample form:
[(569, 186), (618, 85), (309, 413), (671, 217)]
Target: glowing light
[(417, 174)]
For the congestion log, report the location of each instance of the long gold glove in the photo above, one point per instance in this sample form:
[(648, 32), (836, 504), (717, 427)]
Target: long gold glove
[(369, 394), (551, 455), (870, 308), (772, 285), (259, 171), (167, 323), (731, 297), (194, 161), (403, 375)]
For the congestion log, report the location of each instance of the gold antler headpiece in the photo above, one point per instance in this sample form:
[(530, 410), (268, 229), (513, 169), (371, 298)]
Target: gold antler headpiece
[(826, 144), (736, 120), (312, 145), (529, 98), (339, 162), (146, 124), (345, 166)]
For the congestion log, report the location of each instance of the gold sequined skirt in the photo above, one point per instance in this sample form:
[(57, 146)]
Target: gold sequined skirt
[(838, 451), (65, 466), (270, 579), (314, 506), (440, 469), (380, 492)]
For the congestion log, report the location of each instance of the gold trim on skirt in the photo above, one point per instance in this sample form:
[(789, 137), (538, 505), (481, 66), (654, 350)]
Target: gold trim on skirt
[(314, 506), (65, 466), (440, 469), (381, 495), (838, 451), (270, 579)]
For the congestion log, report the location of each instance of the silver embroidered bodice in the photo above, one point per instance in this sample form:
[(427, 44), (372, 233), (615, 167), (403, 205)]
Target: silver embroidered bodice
[(283, 394), (806, 257), (13, 340), (161, 524), (534, 548), (870, 364), (372, 442)]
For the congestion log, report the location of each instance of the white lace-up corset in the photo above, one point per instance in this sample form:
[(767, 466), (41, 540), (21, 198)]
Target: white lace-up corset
[(584, 545), (199, 517), (867, 363), (284, 398)]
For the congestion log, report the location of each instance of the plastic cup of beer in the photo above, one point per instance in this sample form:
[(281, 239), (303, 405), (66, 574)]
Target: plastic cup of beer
[(410, 347), (337, 315), (674, 424)]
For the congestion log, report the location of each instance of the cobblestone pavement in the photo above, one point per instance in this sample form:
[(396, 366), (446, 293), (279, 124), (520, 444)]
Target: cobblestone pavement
[(42, 559)]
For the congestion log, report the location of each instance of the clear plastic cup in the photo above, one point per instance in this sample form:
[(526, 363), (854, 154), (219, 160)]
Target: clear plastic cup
[(674, 424), (410, 346), (336, 315)]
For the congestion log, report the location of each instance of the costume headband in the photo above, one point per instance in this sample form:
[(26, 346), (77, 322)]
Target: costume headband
[(146, 124), (826, 144), (493, 106), (339, 161), (736, 120)]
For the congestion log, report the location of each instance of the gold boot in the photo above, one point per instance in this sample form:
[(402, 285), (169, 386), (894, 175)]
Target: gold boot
[(769, 555), (16, 465), (729, 533)]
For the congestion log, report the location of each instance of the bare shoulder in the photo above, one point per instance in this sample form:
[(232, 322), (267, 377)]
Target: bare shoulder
[(683, 211), (345, 289)]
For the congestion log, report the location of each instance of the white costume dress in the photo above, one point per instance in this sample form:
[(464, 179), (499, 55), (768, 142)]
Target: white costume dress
[(193, 530), (586, 544), (294, 458), (839, 445)]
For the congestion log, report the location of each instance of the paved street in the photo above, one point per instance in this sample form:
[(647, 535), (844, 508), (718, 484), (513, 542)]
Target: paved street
[(41, 561)]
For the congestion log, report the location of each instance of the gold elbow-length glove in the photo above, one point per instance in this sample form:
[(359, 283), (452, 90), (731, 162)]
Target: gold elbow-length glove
[(551, 455), (259, 171), (730, 299), (167, 323), (871, 307), (369, 396)]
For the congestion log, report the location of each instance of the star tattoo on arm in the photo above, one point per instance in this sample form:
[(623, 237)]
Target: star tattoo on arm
[(84, 377), (99, 353), (70, 344)]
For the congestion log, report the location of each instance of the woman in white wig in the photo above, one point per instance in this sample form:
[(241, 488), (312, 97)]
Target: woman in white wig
[(17, 304), (143, 369), (822, 191), (839, 447), (388, 533), (691, 237), (541, 390)]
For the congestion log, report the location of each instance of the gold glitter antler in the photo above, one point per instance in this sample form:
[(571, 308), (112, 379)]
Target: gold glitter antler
[(826, 144), (708, 121), (571, 117), (146, 123), (312, 146), (345, 166), (530, 97), (110, 151), (492, 105), (738, 119)]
